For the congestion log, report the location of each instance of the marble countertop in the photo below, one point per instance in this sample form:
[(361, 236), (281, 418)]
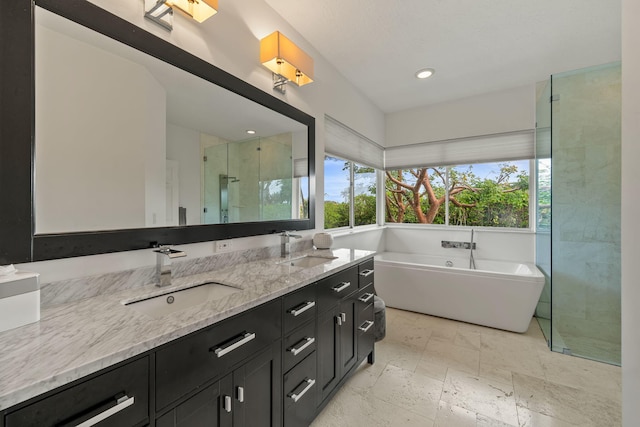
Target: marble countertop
[(79, 338)]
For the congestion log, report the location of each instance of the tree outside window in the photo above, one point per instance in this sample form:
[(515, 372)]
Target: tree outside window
[(485, 195)]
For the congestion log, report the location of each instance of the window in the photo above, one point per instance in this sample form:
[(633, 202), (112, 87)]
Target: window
[(481, 194), (350, 193)]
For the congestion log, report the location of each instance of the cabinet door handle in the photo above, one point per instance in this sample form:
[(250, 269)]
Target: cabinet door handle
[(365, 298), (366, 273), (302, 308), (307, 342), (236, 342), (307, 383), (227, 403), (343, 316), (120, 404), (341, 287), (339, 320), (240, 394), (368, 326)]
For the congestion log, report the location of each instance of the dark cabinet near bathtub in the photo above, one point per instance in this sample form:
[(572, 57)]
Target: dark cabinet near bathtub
[(275, 365)]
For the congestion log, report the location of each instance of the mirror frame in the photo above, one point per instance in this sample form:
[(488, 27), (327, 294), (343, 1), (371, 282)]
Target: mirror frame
[(18, 243)]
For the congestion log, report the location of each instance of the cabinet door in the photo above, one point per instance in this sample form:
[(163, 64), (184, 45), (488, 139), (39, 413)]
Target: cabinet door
[(348, 336), (257, 390), (202, 410), (328, 352)]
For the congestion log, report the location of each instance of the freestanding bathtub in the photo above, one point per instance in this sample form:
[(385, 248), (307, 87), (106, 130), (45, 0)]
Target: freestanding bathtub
[(498, 294)]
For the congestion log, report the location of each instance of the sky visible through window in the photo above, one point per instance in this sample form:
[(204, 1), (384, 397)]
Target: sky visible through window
[(336, 180)]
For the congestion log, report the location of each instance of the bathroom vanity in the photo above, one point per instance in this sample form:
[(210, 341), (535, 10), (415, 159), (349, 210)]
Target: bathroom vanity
[(272, 354)]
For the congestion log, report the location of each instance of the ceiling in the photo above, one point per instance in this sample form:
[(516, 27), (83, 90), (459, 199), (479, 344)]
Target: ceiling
[(475, 46)]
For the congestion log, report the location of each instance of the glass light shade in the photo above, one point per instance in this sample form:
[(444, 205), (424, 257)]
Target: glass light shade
[(283, 57), (200, 10)]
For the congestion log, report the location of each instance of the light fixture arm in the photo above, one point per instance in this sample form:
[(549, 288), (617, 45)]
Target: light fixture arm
[(279, 83)]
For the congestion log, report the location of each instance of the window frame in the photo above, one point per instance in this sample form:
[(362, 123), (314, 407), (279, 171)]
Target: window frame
[(379, 205)]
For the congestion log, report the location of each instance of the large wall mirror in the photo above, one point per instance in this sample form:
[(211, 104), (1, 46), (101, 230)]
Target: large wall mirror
[(136, 142)]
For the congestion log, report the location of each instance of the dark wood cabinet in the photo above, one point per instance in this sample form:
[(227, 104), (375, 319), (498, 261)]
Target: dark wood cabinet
[(119, 397), (277, 364), (248, 396)]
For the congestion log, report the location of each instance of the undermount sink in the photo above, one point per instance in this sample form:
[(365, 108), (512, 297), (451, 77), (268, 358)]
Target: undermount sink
[(163, 304), (307, 261)]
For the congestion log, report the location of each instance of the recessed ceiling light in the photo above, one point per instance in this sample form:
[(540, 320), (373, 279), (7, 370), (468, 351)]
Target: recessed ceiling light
[(251, 132), (425, 73)]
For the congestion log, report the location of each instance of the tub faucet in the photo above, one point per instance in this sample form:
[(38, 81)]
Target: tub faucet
[(285, 242), (164, 255), (472, 260)]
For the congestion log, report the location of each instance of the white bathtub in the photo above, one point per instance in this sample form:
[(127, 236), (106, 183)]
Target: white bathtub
[(498, 294)]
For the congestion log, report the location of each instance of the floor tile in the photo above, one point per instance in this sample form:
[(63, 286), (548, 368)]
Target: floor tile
[(454, 416), (431, 371), (406, 389), (490, 398), (565, 403), (349, 408)]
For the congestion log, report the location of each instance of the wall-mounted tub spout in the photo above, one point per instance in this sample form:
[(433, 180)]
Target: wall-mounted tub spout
[(472, 260)]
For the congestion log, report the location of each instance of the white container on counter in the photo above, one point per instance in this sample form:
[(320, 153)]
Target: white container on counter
[(322, 240), (19, 299)]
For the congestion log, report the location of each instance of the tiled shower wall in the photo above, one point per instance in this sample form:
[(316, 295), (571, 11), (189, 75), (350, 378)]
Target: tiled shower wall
[(586, 123)]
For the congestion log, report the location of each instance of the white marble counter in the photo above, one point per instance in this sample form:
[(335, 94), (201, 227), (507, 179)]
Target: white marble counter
[(79, 338)]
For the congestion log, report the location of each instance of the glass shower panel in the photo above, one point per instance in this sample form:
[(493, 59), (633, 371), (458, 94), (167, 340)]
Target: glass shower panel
[(276, 177), (214, 210), (543, 200), (244, 174), (585, 133)]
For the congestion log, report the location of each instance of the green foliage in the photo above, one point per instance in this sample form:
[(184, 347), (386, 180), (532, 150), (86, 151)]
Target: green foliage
[(336, 214), (502, 201)]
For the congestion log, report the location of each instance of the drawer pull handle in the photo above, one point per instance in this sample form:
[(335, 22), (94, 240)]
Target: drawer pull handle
[(236, 342), (227, 403), (365, 298), (307, 342), (120, 404), (240, 394), (368, 326), (302, 308), (342, 286), (297, 396), (366, 273)]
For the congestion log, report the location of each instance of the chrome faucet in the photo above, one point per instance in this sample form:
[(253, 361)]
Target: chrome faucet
[(285, 242), (163, 264)]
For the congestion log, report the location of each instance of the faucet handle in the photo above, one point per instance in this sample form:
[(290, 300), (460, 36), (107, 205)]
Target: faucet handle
[(171, 253), (287, 233)]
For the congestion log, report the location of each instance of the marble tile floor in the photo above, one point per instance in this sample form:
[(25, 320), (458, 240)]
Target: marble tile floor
[(433, 372)]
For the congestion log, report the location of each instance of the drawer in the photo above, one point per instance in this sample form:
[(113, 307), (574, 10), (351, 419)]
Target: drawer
[(299, 344), (365, 273), (365, 297), (188, 363), (299, 307), (300, 393), (119, 397), (365, 330), (336, 287)]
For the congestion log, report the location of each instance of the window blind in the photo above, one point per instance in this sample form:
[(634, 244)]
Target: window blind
[(477, 149), (348, 144)]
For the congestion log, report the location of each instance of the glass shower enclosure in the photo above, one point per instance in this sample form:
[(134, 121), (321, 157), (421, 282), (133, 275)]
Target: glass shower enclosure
[(578, 211)]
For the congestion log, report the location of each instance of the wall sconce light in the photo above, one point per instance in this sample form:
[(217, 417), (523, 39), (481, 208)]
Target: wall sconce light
[(287, 62), (161, 11)]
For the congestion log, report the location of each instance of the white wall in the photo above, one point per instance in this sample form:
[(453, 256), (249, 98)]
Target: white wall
[(495, 112), (630, 213), (106, 195), (183, 146)]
